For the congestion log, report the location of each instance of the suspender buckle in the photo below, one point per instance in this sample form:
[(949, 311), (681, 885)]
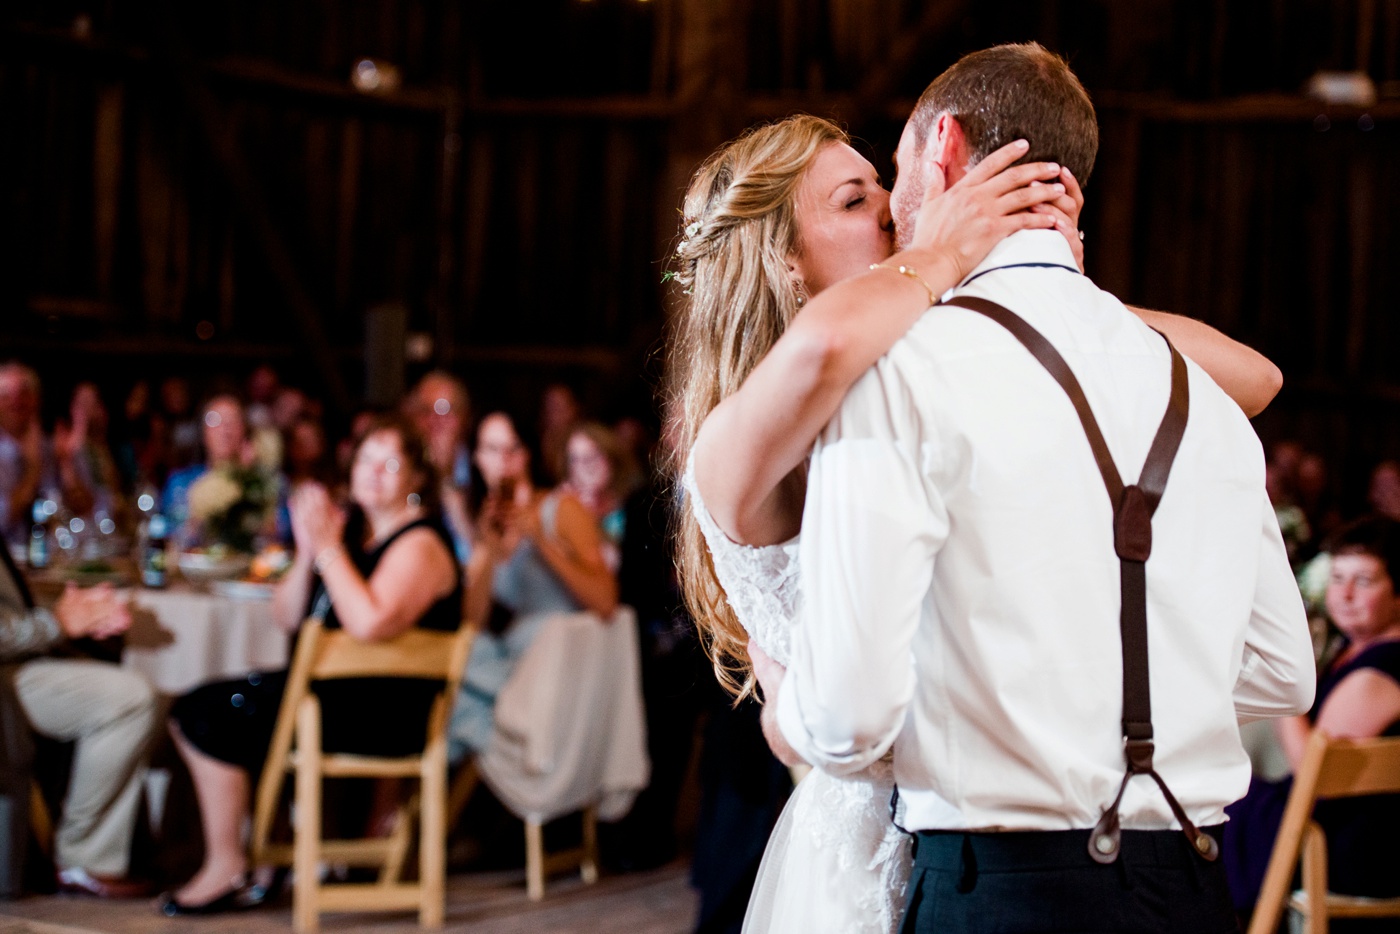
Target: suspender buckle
[(1139, 755)]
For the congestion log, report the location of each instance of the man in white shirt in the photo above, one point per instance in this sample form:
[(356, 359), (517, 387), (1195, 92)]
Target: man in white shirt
[(963, 591)]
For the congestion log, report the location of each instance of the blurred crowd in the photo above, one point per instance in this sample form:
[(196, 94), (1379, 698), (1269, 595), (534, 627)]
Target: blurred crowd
[(100, 468), (416, 516)]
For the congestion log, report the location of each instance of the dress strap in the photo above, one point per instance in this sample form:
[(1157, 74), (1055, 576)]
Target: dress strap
[(1133, 508)]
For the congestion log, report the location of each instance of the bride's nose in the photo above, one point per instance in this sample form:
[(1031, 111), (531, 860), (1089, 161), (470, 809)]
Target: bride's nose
[(886, 218)]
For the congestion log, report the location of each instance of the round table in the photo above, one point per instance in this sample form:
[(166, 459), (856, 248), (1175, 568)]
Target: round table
[(183, 636)]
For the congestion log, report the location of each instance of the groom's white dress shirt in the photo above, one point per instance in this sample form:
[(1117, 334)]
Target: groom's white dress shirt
[(962, 593)]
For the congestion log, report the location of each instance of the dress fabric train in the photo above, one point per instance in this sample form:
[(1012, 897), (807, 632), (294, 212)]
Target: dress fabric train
[(835, 861)]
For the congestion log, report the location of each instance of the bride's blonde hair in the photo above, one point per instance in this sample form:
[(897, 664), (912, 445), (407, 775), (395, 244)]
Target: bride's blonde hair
[(738, 231)]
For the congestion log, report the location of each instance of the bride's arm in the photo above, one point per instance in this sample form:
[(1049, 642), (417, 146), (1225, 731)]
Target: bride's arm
[(758, 435), (1246, 375)]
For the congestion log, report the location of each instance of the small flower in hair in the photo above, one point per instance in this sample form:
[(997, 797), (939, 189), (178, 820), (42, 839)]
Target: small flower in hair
[(693, 229)]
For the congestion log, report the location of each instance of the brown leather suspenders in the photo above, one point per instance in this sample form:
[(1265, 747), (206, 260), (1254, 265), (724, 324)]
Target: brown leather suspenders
[(1133, 506)]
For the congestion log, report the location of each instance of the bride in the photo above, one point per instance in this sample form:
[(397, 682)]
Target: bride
[(790, 217)]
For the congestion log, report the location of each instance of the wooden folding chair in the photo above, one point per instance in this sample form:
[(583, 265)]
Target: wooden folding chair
[(1331, 768), (327, 654), (539, 864)]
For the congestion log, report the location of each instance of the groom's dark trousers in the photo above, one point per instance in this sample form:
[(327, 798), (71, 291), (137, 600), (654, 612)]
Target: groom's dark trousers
[(1022, 882)]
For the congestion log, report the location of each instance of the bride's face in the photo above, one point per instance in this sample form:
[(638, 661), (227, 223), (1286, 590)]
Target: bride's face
[(843, 219)]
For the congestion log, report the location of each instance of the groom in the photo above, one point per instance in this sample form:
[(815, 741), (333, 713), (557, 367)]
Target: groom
[(963, 580)]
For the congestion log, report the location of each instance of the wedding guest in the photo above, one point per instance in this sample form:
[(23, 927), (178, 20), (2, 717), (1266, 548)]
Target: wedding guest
[(289, 405), (376, 573), (107, 712), (676, 682), (306, 456), (1358, 697), (142, 442), (177, 409), (263, 387), (535, 554), (1383, 492), (225, 436), (597, 469), (638, 440), (559, 413), (441, 408), (86, 462), (27, 467), (1280, 482), (360, 423)]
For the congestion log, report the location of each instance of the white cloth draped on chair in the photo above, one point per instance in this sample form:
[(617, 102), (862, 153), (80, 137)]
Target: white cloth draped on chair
[(570, 728)]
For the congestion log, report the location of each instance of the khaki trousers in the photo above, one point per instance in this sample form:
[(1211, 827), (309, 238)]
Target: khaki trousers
[(111, 715)]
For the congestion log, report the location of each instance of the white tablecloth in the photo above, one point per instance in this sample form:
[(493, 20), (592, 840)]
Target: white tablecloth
[(570, 727), (181, 638)]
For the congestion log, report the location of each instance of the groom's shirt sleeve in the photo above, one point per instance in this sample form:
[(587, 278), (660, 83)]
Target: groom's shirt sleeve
[(871, 528)]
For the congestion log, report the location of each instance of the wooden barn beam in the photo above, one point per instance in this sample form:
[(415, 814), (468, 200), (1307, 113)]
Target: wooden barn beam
[(248, 199), (903, 57)]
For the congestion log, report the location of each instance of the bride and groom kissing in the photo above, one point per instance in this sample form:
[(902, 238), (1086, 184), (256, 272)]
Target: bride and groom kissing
[(1021, 696)]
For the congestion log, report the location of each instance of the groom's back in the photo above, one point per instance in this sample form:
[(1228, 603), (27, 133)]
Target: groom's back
[(1018, 675)]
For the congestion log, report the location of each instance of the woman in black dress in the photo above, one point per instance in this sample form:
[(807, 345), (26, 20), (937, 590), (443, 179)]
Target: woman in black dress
[(1358, 697), (384, 568)]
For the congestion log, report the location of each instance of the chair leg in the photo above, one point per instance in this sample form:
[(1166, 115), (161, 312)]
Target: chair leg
[(400, 839), (40, 823), (588, 866), (432, 842), (306, 916), (462, 787), (534, 860), (1315, 879)]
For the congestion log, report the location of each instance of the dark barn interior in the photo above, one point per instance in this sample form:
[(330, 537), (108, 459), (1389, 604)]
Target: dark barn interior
[(359, 192), (197, 189)]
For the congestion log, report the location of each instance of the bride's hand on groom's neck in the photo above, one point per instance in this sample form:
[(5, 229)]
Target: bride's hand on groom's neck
[(996, 198)]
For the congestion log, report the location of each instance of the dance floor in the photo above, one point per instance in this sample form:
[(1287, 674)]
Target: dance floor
[(655, 902)]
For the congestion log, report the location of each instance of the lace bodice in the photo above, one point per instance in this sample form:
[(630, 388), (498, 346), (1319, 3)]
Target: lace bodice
[(761, 582)]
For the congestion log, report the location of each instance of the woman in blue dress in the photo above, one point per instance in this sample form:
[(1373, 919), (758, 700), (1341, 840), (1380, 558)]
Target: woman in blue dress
[(536, 553)]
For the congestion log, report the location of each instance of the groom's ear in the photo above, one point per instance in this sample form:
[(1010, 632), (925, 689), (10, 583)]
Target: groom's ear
[(946, 145)]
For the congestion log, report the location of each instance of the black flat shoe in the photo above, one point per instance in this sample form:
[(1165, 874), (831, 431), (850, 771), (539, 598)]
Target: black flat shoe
[(260, 894), (239, 898)]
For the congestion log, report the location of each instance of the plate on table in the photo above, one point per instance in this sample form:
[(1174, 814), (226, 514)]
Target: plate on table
[(205, 566), (243, 590)]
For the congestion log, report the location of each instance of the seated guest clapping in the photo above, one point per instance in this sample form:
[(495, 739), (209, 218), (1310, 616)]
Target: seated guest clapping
[(598, 470), (109, 713), (378, 572), (1358, 697), (535, 553)]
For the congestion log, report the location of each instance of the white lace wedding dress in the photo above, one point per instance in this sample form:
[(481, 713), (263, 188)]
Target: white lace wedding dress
[(835, 862)]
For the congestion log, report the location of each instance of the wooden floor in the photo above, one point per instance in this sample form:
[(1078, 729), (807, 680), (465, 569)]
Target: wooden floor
[(656, 902)]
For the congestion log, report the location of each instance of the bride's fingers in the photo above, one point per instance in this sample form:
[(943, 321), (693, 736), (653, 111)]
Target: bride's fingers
[(995, 162), (1029, 196), (1022, 175), (1074, 192)]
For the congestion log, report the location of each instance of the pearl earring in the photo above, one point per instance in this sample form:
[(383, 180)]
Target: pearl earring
[(414, 499)]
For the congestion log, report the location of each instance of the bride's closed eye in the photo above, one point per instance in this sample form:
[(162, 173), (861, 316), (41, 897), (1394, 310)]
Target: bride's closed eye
[(855, 202)]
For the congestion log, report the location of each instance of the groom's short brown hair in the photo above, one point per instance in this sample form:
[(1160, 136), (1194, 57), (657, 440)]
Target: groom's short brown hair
[(1011, 92)]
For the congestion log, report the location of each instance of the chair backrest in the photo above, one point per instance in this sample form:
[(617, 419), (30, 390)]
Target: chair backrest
[(1331, 768), (327, 654), (1355, 767), (418, 653)]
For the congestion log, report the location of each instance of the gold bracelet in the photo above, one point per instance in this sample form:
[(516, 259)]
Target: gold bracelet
[(912, 273)]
